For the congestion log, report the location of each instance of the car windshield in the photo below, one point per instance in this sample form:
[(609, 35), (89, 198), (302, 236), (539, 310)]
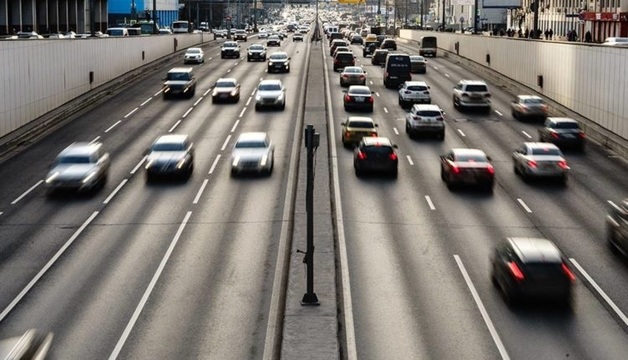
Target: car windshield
[(168, 147), (230, 44), (546, 151), (359, 91), (74, 159), (178, 76), (224, 84), (279, 57), (479, 88), (471, 158), (361, 124), (378, 149), (269, 87), (566, 125), (251, 144), (194, 51)]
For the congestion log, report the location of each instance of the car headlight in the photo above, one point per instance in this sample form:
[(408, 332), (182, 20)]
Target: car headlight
[(235, 161), (270, 63), (52, 177)]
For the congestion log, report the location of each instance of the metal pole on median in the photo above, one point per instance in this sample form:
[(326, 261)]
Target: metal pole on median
[(311, 143)]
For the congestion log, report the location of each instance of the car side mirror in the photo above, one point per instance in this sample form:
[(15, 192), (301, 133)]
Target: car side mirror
[(489, 158), (376, 125), (395, 146)]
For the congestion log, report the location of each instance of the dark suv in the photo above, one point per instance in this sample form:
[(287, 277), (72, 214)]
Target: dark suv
[(343, 59), (389, 44), (369, 48), (179, 81), (617, 227)]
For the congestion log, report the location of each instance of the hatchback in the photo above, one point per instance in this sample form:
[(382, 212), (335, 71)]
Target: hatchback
[(412, 92), (375, 155)]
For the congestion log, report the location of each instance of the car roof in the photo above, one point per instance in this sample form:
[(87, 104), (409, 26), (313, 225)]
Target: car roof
[(171, 139), (359, 87), (526, 97), (473, 82), (561, 120), (81, 148), (415, 83), (467, 151), (540, 145), (180, 69), (227, 80), (427, 107), (376, 141), (353, 68), (282, 53), (534, 250), (195, 49), (360, 118), (252, 136)]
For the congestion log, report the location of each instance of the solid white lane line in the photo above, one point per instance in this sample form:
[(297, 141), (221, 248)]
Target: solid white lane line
[(48, 265), (198, 101), (526, 134), (149, 289), (131, 113), (26, 192), (242, 112), (115, 191), (386, 110), (436, 68), (248, 101), (524, 206), (430, 203), (235, 125), (224, 145), (174, 126), (597, 288), (137, 167), (409, 159), (498, 113), (95, 139), (200, 191), (146, 101), (461, 133), (207, 92), (396, 131), (187, 112), (213, 167), (480, 305), (112, 126)]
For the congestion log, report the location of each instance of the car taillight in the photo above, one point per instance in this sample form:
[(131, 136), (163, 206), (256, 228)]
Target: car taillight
[(515, 271), (336, 61), (426, 92), (490, 169), (374, 134), (455, 169), (362, 77), (581, 135), (371, 99), (361, 155), (347, 98), (393, 156), (440, 118), (345, 76), (563, 164), (347, 133), (416, 118), (544, 108), (568, 272), (532, 164), (555, 135)]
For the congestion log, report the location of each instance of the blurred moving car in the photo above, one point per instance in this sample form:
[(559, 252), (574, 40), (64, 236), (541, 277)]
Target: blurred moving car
[(80, 167), (617, 227), (472, 94), (425, 119), (226, 89), (375, 155), (531, 268), (220, 33), (279, 62), (563, 132), (414, 92), (369, 47), (389, 44), (170, 156), (179, 81), (253, 152), (194, 55), (379, 57), (256, 52), (358, 97), (240, 34), (230, 49), (354, 128), (462, 166), (540, 160), (616, 41), (353, 75), (273, 40), (32, 345), (418, 64), (528, 107), (270, 93)]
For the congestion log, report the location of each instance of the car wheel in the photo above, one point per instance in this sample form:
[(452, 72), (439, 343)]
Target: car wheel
[(256, 107), (441, 136), (359, 172), (455, 104), (248, 59), (283, 106)]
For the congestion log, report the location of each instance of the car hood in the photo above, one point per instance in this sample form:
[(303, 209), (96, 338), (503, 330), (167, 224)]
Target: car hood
[(219, 90), (72, 171), (256, 51), (269, 93), (278, 60), (165, 157), (249, 154)]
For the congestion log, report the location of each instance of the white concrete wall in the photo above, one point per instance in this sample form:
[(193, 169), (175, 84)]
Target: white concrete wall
[(41, 75), (589, 79)]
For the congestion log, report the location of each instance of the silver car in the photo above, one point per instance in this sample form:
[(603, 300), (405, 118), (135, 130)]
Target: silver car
[(194, 55), (80, 167), (353, 75), (425, 119), (538, 159), (253, 152), (270, 93), (170, 156)]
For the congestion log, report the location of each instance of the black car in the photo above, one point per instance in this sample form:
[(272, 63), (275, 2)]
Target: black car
[(375, 155), (357, 39), (279, 62), (379, 57), (389, 44), (369, 48), (358, 97), (562, 132), (256, 52), (531, 269), (343, 59), (617, 227)]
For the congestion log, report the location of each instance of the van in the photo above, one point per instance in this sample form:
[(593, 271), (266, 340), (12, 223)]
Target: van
[(396, 70), (427, 46), (117, 32)]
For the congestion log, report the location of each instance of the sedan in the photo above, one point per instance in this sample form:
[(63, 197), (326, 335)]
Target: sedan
[(353, 75), (279, 62), (418, 64), (563, 132), (80, 167), (170, 156), (253, 152), (262, 35), (461, 166), (354, 128), (298, 36), (194, 55), (358, 97), (256, 52), (531, 268), (273, 40), (375, 155), (226, 89), (540, 160), (270, 93), (528, 107)]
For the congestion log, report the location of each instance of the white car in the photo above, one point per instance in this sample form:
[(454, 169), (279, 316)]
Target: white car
[(425, 119), (80, 167), (253, 152), (194, 55), (412, 92), (539, 159), (270, 93), (262, 35)]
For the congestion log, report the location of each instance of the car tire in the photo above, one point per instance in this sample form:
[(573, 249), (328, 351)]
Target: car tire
[(257, 108), (359, 172), (283, 106), (441, 136), (394, 173)]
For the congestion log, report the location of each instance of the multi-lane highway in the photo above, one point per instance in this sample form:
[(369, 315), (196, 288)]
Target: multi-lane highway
[(186, 270)]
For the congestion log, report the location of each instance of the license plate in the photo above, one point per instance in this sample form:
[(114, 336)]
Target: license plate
[(569, 136), (359, 99)]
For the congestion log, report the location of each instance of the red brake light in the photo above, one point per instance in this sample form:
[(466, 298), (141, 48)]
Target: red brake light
[(490, 169), (568, 272), (581, 135), (347, 133), (515, 271), (347, 98), (393, 156), (361, 155), (455, 169), (555, 135), (532, 164), (407, 92), (371, 99), (563, 164), (440, 118)]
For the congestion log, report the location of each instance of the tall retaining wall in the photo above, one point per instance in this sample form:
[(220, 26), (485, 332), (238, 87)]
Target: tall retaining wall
[(585, 81)]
